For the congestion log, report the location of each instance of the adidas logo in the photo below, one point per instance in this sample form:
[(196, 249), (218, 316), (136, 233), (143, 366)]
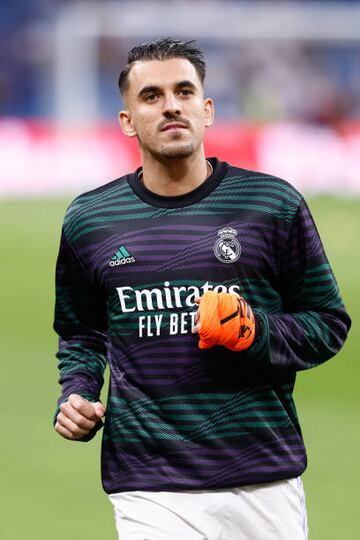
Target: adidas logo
[(122, 256)]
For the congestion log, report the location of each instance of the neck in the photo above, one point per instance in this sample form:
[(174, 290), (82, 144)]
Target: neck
[(173, 177)]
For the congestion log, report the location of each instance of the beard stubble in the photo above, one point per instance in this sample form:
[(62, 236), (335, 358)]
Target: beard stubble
[(177, 151)]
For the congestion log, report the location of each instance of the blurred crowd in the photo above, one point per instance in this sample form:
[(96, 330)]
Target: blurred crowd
[(250, 80)]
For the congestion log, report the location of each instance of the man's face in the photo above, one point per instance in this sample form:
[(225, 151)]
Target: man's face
[(166, 109)]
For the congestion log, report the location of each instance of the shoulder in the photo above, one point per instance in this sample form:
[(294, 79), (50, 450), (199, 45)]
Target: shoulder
[(91, 206), (265, 182), (264, 191)]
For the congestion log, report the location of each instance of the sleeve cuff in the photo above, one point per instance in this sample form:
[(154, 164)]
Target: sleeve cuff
[(259, 349)]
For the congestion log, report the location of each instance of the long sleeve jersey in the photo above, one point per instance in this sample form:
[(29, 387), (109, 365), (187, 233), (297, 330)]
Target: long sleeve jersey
[(130, 266)]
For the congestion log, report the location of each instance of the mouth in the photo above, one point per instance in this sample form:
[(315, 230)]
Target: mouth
[(174, 126)]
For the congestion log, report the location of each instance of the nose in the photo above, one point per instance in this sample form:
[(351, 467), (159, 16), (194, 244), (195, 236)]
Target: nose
[(171, 105)]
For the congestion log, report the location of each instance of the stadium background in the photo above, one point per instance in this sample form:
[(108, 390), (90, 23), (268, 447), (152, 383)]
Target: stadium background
[(285, 77)]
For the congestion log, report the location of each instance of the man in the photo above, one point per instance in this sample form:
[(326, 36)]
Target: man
[(201, 438)]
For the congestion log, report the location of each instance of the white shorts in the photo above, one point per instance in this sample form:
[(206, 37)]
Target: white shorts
[(273, 511)]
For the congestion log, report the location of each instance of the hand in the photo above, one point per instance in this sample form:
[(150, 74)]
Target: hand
[(196, 328), (77, 417), (224, 319)]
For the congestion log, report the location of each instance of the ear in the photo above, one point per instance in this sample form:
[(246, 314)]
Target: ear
[(209, 110), (126, 124)]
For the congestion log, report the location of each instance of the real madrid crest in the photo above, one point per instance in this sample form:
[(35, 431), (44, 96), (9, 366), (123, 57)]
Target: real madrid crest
[(227, 248)]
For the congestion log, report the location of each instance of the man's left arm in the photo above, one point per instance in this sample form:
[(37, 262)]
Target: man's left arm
[(315, 324), (311, 328)]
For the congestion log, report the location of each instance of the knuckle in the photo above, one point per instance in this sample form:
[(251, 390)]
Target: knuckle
[(89, 425), (78, 431), (75, 400), (85, 424), (82, 406), (60, 430), (63, 406)]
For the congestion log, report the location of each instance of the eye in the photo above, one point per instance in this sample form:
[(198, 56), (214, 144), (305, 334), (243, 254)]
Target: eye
[(150, 97), (186, 92)]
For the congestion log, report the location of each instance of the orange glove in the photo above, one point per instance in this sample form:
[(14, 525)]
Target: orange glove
[(225, 319)]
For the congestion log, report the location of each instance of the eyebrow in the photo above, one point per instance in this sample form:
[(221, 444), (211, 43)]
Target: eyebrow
[(154, 88)]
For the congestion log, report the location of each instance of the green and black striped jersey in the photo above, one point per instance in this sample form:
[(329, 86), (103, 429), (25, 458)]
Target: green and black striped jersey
[(130, 266)]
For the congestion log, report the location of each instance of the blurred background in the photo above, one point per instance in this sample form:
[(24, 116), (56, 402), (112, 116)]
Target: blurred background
[(285, 77)]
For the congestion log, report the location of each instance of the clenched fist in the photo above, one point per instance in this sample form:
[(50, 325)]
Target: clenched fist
[(78, 416), (224, 319)]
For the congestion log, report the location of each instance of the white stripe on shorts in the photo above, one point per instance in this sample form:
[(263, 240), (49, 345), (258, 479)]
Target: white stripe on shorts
[(272, 511)]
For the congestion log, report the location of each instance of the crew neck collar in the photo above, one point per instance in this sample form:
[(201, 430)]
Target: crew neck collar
[(186, 199)]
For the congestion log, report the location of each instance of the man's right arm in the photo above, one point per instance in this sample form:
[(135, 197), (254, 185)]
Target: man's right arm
[(80, 322)]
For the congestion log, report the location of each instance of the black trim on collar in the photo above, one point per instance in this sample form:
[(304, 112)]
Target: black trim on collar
[(162, 201)]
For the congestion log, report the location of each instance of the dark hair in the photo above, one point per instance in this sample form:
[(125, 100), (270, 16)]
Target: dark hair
[(163, 49)]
